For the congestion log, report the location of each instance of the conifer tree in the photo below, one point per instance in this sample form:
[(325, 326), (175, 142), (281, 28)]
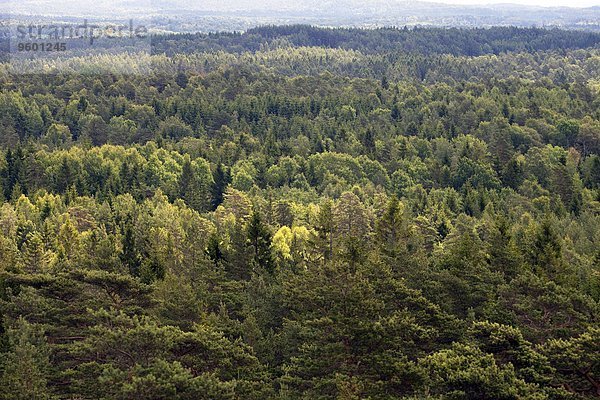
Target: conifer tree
[(221, 180), (189, 186), (25, 366), (260, 239), (130, 256)]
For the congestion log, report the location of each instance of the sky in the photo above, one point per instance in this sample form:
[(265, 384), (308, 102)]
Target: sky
[(546, 3)]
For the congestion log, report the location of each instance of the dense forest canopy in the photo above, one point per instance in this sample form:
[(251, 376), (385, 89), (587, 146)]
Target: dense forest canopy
[(459, 42), (305, 213)]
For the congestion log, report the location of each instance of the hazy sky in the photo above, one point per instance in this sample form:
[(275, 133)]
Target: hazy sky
[(96, 3), (547, 3)]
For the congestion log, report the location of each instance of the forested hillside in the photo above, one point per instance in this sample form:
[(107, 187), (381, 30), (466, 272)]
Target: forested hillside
[(428, 41), (296, 213)]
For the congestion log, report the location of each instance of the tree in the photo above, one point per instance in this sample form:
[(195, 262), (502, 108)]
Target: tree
[(588, 140), (351, 324), (546, 251), (368, 141), (61, 303), (13, 172), (465, 372), (352, 225), (576, 362), (568, 130), (324, 238), (121, 130), (291, 245), (189, 186), (542, 310), (94, 129), (260, 239), (221, 180), (35, 258), (236, 203), (391, 230), (509, 347), (514, 172), (504, 253), (134, 357), (213, 250), (130, 255), (69, 243), (25, 365), (461, 280), (57, 135), (174, 128)]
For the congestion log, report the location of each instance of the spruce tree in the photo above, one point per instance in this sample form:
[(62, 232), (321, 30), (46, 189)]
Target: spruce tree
[(130, 256), (259, 238), (189, 187), (221, 180)]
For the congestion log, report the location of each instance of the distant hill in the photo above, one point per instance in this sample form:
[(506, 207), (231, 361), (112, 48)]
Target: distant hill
[(427, 41), (211, 15)]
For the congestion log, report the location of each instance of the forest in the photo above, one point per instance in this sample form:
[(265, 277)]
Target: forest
[(305, 213)]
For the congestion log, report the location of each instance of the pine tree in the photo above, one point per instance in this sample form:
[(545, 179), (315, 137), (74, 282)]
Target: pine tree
[(25, 365), (468, 373)]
